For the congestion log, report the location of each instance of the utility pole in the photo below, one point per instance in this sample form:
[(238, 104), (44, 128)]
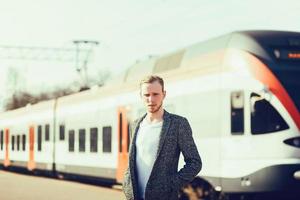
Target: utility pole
[(88, 45)]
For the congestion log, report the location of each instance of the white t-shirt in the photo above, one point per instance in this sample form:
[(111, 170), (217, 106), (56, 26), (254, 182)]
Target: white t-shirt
[(146, 148)]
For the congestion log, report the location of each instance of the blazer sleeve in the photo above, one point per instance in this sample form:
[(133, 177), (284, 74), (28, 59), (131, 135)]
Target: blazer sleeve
[(193, 163)]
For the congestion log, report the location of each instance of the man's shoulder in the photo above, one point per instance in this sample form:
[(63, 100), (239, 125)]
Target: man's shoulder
[(177, 117), (172, 116)]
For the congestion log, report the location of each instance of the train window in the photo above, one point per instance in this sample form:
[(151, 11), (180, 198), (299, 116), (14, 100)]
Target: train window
[(39, 138), (93, 139), (12, 142), (264, 117), (106, 131), (81, 140), (61, 132), (24, 142), (237, 113), (120, 132), (71, 140), (128, 136), (18, 142), (1, 139), (47, 132)]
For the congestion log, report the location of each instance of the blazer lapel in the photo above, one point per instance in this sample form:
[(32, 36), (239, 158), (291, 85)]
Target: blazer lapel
[(132, 166), (164, 131), (133, 147)]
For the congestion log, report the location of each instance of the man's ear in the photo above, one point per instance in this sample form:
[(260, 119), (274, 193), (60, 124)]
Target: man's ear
[(165, 93)]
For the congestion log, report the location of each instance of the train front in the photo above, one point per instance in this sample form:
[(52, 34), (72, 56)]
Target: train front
[(273, 58)]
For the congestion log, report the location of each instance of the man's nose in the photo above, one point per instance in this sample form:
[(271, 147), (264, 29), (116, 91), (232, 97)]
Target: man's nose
[(150, 98)]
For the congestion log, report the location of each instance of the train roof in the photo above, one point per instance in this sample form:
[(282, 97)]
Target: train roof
[(256, 42)]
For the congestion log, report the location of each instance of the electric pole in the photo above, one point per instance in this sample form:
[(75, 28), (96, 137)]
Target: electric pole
[(88, 45)]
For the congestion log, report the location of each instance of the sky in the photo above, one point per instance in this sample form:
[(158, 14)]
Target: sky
[(127, 30)]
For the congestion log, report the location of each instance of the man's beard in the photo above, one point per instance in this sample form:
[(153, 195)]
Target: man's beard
[(156, 109)]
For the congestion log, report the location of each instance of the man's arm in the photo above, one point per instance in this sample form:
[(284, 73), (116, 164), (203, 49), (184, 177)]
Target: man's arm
[(193, 163)]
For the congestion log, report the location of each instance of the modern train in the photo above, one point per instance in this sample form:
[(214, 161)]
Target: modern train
[(240, 93)]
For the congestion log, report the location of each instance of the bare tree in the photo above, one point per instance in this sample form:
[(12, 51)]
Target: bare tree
[(19, 98)]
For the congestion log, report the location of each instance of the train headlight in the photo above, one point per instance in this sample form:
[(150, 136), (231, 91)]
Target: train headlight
[(295, 142)]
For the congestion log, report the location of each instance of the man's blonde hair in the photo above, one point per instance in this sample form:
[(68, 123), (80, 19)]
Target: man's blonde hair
[(151, 79)]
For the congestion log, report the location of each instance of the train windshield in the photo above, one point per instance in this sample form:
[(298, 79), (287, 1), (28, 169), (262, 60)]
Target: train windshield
[(289, 77), (288, 70)]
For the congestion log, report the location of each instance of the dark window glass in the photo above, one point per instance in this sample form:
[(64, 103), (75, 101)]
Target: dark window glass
[(120, 132), (1, 139), (264, 117), (62, 132), (39, 138), (81, 140), (237, 113), (94, 139), (18, 142), (13, 143), (128, 136), (106, 139), (24, 142), (47, 132), (71, 140)]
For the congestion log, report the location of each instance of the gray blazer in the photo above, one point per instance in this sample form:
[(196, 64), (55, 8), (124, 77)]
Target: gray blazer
[(165, 180)]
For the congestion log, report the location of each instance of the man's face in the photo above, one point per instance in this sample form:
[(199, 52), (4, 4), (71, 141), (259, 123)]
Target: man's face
[(152, 96)]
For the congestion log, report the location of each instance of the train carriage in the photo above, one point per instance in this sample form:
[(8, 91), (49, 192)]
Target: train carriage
[(240, 93)]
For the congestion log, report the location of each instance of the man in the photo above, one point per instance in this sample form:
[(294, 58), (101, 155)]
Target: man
[(157, 140)]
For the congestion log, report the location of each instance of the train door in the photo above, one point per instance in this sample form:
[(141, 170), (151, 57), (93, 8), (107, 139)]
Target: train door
[(31, 164), (6, 159), (123, 143)]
